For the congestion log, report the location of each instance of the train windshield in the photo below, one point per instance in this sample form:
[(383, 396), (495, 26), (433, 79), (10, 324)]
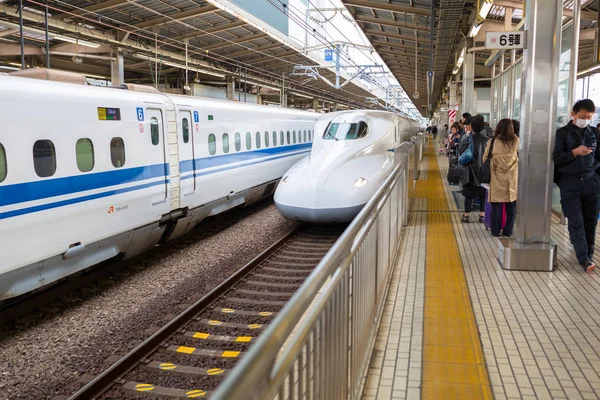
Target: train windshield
[(346, 131)]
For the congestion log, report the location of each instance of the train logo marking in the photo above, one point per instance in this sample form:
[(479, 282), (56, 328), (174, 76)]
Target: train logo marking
[(111, 209), (197, 127), (140, 113)]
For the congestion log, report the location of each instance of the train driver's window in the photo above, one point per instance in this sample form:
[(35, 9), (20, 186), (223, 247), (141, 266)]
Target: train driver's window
[(238, 142), (363, 129), (154, 131), (117, 152), (289, 136), (258, 140), (281, 138), (44, 158), (212, 144), (266, 139), (225, 143), (274, 138), (248, 140), (185, 128), (3, 168), (84, 150)]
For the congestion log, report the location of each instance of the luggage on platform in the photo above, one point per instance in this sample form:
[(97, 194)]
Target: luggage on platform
[(455, 173), (487, 219)]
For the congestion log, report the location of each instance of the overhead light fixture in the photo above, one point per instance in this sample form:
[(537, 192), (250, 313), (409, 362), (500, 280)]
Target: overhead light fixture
[(77, 41), (485, 8), (474, 30), (459, 62), (77, 59)]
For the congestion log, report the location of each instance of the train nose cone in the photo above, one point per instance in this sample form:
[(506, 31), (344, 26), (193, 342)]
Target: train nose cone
[(315, 207)]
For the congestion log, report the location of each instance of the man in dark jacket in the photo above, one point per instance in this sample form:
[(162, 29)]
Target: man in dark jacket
[(472, 188), (577, 163)]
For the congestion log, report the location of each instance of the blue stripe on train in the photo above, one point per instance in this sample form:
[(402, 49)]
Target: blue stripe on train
[(42, 207), (202, 163), (37, 190)]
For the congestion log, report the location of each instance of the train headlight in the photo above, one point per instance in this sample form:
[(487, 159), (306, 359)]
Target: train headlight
[(285, 179), (360, 182)]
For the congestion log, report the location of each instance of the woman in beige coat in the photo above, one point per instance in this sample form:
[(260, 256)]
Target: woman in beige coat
[(504, 168)]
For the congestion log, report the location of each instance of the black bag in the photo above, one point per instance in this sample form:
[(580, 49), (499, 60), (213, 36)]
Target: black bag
[(453, 160), (485, 175), (455, 173)]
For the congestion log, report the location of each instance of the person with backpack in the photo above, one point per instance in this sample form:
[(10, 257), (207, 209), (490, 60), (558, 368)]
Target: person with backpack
[(576, 166), (502, 151), (472, 189)]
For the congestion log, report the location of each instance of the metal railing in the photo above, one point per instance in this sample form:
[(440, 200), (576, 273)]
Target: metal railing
[(319, 346)]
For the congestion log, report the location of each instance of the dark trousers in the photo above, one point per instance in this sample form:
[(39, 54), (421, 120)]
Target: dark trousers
[(496, 218), (579, 200), (469, 204)]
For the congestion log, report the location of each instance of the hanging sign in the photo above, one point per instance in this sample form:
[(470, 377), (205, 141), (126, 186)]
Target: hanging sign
[(328, 55), (505, 40)]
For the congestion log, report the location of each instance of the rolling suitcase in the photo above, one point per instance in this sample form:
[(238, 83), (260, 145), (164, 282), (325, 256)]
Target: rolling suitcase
[(455, 174), (487, 219)]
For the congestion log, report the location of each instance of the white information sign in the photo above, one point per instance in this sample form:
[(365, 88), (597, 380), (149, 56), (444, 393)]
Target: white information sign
[(505, 40)]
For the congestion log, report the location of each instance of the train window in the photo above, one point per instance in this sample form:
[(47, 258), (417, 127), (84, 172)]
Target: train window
[(248, 140), (225, 143), (289, 137), (294, 136), (274, 138), (258, 140), (84, 150), (212, 144), (185, 128), (238, 142), (154, 131), (309, 136), (44, 158), (281, 138), (3, 168), (266, 139), (346, 131), (305, 137), (117, 152)]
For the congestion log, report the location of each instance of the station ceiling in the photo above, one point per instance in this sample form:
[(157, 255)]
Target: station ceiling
[(220, 43)]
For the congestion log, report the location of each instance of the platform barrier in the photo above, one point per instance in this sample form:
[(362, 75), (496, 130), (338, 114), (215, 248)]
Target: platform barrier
[(320, 344)]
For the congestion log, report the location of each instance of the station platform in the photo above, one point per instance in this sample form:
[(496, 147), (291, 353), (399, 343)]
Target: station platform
[(457, 326)]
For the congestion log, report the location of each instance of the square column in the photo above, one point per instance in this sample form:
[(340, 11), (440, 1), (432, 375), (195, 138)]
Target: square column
[(117, 68), (532, 248), (468, 84)]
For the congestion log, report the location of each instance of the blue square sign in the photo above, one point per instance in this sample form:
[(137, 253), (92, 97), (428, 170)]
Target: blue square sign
[(140, 113), (196, 117), (328, 55)]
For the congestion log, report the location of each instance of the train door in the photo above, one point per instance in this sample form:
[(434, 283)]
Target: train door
[(186, 153), (157, 151)]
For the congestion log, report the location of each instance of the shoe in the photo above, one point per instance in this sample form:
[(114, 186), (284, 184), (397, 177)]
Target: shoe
[(481, 219), (588, 266), (465, 219)]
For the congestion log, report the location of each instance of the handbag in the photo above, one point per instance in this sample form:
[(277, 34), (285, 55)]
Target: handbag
[(467, 156), (486, 169)]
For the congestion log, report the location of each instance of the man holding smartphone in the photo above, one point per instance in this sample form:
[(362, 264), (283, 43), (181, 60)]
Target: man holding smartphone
[(577, 164)]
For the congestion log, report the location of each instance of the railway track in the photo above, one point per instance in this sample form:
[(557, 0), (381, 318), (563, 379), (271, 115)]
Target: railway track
[(188, 357)]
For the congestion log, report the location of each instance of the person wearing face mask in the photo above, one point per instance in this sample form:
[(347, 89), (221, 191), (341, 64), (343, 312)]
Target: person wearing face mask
[(577, 163)]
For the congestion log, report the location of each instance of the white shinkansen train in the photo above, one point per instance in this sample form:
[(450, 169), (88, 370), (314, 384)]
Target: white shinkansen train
[(352, 155), (89, 174)]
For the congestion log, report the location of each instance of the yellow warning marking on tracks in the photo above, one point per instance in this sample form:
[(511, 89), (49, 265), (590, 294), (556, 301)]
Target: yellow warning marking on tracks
[(195, 393), (449, 326), (227, 310), (214, 371), (186, 350), (254, 326), (144, 387), (214, 322), (265, 313), (201, 335), (230, 354), (243, 339), (167, 366)]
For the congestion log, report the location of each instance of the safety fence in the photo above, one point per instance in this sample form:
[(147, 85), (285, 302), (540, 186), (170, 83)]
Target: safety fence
[(319, 346)]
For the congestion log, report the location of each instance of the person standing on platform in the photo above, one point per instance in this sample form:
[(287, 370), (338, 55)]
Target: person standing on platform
[(576, 166), (503, 150), (465, 116), (470, 180)]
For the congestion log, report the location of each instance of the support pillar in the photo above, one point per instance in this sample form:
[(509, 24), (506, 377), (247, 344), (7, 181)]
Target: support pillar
[(315, 104), (335, 107), (117, 68), (468, 79), (532, 248), (283, 97), (230, 88), (453, 102)]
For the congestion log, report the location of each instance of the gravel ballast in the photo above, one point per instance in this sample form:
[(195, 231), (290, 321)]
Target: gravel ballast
[(46, 354)]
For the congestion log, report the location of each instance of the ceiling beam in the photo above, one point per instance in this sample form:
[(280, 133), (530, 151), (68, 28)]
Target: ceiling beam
[(235, 41), (211, 31), (392, 35), (104, 5), (391, 7), (254, 50), (389, 22), (396, 45), (8, 32), (178, 16), (586, 15), (14, 49)]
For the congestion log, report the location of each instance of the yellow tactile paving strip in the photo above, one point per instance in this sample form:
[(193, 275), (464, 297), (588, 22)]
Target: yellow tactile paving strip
[(453, 363)]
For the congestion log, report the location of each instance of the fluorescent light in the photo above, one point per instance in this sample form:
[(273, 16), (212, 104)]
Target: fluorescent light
[(76, 41), (474, 30), (485, 8)]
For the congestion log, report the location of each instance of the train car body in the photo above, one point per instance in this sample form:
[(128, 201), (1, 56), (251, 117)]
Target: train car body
[(352, 154), (89, 174)]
